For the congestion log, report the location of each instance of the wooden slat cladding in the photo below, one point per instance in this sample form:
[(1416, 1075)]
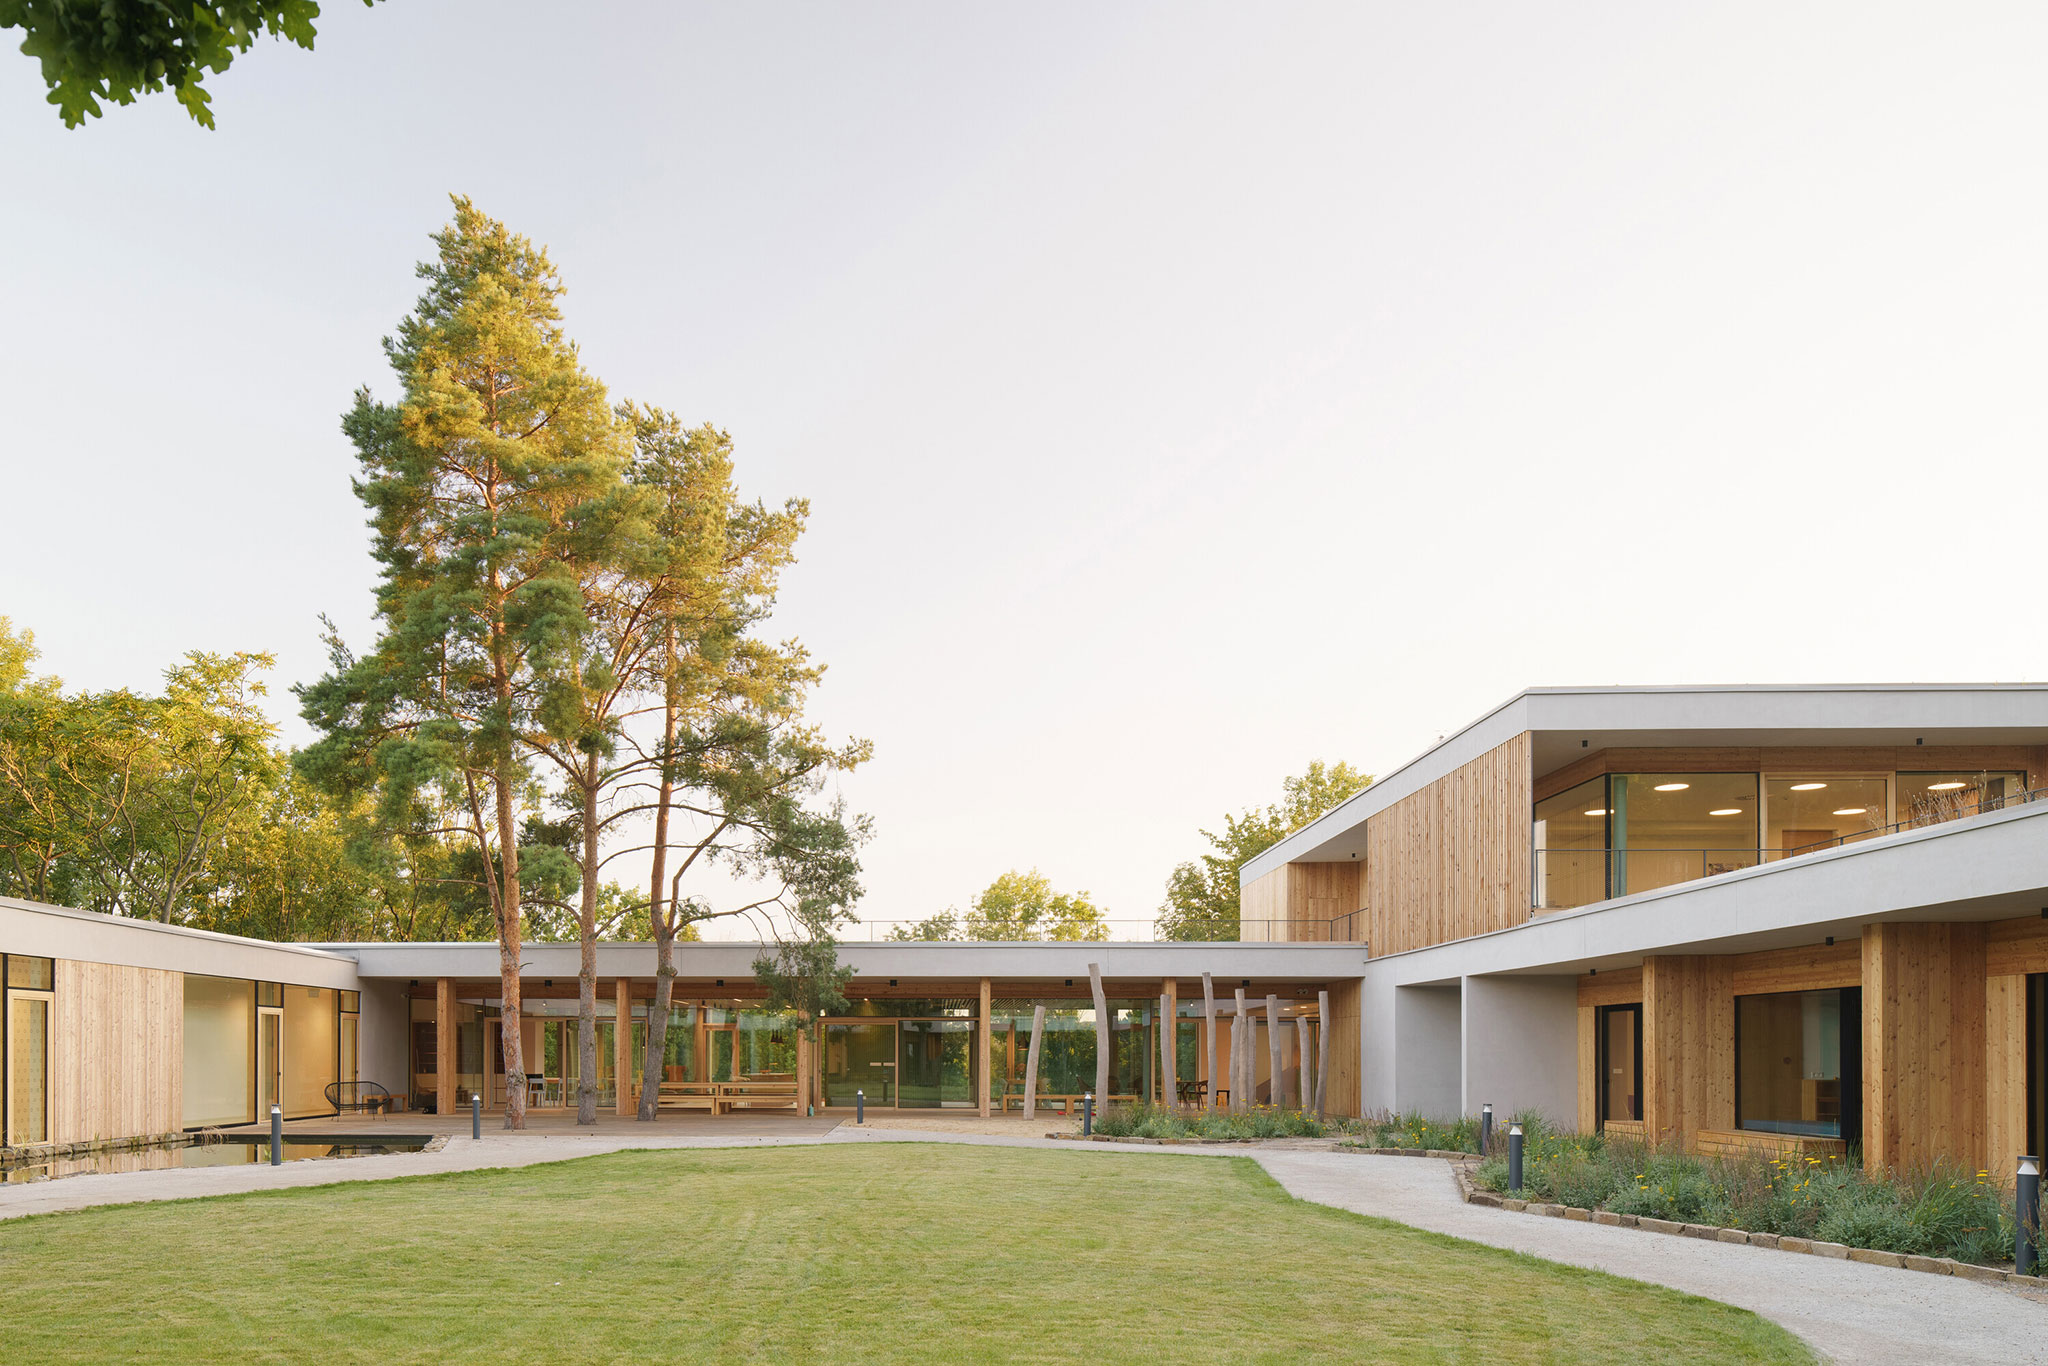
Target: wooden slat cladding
[(1811, 967), (2029, 759), (2005, 1074), (118, 1045), (1263, 902), (2016, 946), (1318, 893), (1738, 1142), (1452, 860), (1346, 1090), (1688, 1046), (1924, 1017), (1615, 987)]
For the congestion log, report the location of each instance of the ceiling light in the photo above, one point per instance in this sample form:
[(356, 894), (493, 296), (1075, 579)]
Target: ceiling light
[(1945, 787), (1599, 812), (1673, 787), (1727, 811), (1852, 810), (1808, 787)]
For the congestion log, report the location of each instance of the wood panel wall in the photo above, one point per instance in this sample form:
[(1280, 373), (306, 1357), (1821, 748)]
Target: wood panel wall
[(1346, 1067), (1924, 1016), (1261, 903), (1688, 1046), (1452, 860), (118, 1052), (2031, 760), (2005, 1074)]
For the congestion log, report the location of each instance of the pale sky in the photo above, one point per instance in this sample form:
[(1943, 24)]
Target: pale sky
[(1182, 392)]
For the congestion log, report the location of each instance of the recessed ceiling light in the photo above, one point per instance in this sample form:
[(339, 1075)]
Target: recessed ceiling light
[(1808, 787), (1727, 811), (1673, 787), (1945, 787), (1851, 810), (1598, 811)]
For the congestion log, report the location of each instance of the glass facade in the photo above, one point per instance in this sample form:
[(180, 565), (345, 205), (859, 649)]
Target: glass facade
[(28, 1067), (311, 1050), (1930, 798), (220, 1043), (1797, 1056), (1571, 846), (1810, 812)]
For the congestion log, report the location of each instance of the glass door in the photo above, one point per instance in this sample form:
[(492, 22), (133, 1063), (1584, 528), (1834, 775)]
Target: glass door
[(269, 1061), (860, 1057), (936, 1063), (28, 1066), (1621, 1063)]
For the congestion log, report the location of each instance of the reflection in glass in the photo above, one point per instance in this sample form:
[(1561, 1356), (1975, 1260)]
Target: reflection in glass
[(860, 1057), (1931, 798), (28, 1069), (1571, 846), (1788, 1067), (1674, 827), (220, 1015)]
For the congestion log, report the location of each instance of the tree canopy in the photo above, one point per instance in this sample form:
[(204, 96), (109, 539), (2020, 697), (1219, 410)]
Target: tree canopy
[(1015, 907), (93, 50), (1202, 894)]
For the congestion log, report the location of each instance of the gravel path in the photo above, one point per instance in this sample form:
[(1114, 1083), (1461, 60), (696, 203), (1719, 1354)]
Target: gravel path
[(1848, 1311)]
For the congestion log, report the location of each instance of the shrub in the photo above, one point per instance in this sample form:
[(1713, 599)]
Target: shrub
[(1151, 1121)]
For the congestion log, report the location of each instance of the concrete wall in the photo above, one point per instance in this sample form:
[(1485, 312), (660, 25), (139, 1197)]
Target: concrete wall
[(1521, 1046), (385, 1024), (1427, 1061), (28, 927)]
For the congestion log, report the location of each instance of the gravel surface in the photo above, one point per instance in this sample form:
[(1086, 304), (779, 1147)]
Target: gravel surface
[(1849, 1311)]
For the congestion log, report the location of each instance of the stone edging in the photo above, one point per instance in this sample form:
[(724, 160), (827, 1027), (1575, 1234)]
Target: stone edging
[(1158, 1142), (1939, 1266)]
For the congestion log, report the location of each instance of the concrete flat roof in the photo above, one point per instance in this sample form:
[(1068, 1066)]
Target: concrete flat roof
[(1568, 722)]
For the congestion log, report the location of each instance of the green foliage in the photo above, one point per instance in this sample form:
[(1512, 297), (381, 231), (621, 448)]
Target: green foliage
[(804, 978), (1944, 1211), (1023, 906), (1202, 896), (1150, 1121), (1416, 1130), (93, 50), (945, 925)]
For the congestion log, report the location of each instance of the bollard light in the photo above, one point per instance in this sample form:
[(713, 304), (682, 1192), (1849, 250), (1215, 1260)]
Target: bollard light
[(2026, 1250), (1087, 1113), (276, 1137), (860, 1107), (476, 1116), (1485, 1128), (1514, 1157)]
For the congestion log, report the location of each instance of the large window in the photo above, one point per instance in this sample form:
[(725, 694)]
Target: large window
[(1930, 798), (1814, 811), (1798, 1063), (220, 1044), (1635, 832), (31, 1003), (311, 1050), (1571, 846)]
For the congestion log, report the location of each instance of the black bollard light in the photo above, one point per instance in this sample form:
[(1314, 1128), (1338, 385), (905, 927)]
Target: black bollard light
[(476, 1116), (860, 1107), (276, 1137), (1514, 1157), (1485, 1128), (2026, 1250), (1087, 1113)]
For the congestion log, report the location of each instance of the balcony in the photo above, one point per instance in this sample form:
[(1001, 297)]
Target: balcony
[(1570, 877)]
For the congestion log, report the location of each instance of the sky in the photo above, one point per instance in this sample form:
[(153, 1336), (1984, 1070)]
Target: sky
[(1182, 392)]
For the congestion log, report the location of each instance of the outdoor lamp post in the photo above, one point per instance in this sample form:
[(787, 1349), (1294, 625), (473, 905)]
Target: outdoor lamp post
[(276, 1137), (1087, 1113), (860, 1107), (476, 1115), (1514, 1157), (1485, 1127), (2026, 1249)]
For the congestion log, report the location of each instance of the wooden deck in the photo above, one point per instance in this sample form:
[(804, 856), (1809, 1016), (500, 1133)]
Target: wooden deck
[(562, 1123)]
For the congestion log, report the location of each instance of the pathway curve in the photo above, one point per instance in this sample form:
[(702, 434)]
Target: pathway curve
[(1849, 1311)]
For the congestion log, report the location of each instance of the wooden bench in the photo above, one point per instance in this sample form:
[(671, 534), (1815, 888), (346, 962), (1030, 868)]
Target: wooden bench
[(755, 1095), (1070, 1103)]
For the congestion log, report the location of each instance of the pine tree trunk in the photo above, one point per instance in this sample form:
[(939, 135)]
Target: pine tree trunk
[(1240, 1059), (1322, 1052), (657, 1019), (1276, 1090), (510, 1035), (1031, 1061), (586, 972)]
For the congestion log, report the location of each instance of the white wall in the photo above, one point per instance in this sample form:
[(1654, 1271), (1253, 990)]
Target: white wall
[(1521, 1046), (1427, 1065), (385, 1025)]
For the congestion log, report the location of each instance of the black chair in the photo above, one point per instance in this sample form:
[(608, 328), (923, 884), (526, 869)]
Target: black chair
[(360, 1096)]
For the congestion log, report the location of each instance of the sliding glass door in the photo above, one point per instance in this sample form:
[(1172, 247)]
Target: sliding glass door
[(860, 1057)]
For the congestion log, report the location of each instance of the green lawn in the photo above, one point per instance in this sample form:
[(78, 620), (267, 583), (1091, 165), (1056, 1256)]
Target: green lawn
[(897, 1252)]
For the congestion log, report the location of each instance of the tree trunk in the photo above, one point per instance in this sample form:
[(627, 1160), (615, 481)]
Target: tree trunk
[(510, 1035), (657, 1018), (1322, 1052), (1241, 1059), (586, 973), (1308, 1098), (1031, 1062), (1168, 1094), (1209, 1014), (1277, 1091), (1102, 1040)]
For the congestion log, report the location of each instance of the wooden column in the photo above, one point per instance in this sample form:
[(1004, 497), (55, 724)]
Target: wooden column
[(982, 1049), (803, 1070), (622, 1046), (1688, 1046), (1242, 1076), (1924, 1024), (444, 1046), (1169, 1049)]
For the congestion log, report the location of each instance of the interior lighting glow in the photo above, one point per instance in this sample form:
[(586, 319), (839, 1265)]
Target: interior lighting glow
[(1599, 812), (1808, 787), (1852, 811), (1945, 787), (1673, 787), (1727, 811)]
